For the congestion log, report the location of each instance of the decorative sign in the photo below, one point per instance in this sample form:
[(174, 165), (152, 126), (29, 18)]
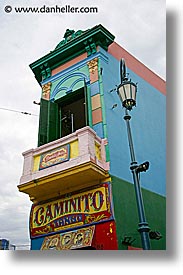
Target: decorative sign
[(70, 240), (89, 207), (55, 156)]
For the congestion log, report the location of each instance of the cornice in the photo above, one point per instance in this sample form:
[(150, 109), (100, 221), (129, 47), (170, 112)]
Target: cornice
[(87, 41)]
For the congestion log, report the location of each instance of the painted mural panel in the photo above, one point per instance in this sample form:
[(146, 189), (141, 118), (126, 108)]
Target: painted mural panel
[(56, 156), (86, 208), (70, 240)]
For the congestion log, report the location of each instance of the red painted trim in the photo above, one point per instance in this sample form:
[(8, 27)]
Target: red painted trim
[(137, 67)]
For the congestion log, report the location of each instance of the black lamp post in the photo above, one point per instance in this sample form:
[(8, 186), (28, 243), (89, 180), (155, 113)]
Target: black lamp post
[(127, 93)]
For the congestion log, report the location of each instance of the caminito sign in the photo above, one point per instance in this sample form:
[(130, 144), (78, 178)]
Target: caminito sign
[(54, 157), (89, 207)]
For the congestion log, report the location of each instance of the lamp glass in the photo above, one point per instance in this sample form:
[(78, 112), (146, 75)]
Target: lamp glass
[(133, 91), (121, 93), (127, 88), (127, 93)]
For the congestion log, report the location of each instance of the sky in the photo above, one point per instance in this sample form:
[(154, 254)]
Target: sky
[(139, 27)]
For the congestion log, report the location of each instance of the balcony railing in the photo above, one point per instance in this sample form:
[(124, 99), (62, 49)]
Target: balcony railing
[(64, 165)]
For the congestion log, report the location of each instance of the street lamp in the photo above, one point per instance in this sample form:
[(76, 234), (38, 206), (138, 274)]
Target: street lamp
[(127, 93)]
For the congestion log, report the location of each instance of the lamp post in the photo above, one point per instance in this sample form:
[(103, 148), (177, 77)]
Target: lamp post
[(127, 93)]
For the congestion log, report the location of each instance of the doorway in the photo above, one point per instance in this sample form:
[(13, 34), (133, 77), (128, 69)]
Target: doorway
[(73, 112)]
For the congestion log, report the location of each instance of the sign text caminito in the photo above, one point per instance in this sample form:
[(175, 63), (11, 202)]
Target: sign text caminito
[(81, 209)]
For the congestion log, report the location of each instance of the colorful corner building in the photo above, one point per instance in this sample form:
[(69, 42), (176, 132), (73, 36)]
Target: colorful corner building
[(78, 178)]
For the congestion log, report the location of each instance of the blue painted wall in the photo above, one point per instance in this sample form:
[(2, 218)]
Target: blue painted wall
[(36, 243), (148, 124)]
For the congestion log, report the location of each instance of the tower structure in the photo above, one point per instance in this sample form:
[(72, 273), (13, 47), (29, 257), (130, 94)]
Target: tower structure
[(78, 177)]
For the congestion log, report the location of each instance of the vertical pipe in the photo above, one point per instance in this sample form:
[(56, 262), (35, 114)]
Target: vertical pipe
[(60, 122), (88, 94), (72, 123), (86, 103)]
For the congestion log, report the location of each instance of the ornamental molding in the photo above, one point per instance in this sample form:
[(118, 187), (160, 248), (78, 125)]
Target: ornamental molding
[(93, 65), (46, 88)]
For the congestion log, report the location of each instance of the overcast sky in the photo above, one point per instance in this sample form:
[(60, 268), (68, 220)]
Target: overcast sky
[(138, 26)]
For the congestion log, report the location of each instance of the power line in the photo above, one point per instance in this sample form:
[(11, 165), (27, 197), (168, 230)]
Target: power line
[(15, 111)]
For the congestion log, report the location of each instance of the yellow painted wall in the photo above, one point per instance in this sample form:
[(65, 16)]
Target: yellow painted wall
[(98, 151), (36, 163), (74, 149)]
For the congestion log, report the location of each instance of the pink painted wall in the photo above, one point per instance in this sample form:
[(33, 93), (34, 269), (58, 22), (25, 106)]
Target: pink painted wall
[(137, 67), (69, 63)]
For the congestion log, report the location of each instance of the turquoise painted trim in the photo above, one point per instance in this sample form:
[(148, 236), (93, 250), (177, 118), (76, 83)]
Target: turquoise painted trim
[(89, 105), (63, 89), (76, 66), (102, 100), (81, 76), (75, 82)]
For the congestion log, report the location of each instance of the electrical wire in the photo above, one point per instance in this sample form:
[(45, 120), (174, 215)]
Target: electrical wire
[(16, 111)]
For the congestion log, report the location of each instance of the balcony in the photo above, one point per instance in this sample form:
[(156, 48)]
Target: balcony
[(65, 165)]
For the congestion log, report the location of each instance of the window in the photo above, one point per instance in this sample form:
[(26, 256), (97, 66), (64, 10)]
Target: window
[(72, 112), (61, 118)]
